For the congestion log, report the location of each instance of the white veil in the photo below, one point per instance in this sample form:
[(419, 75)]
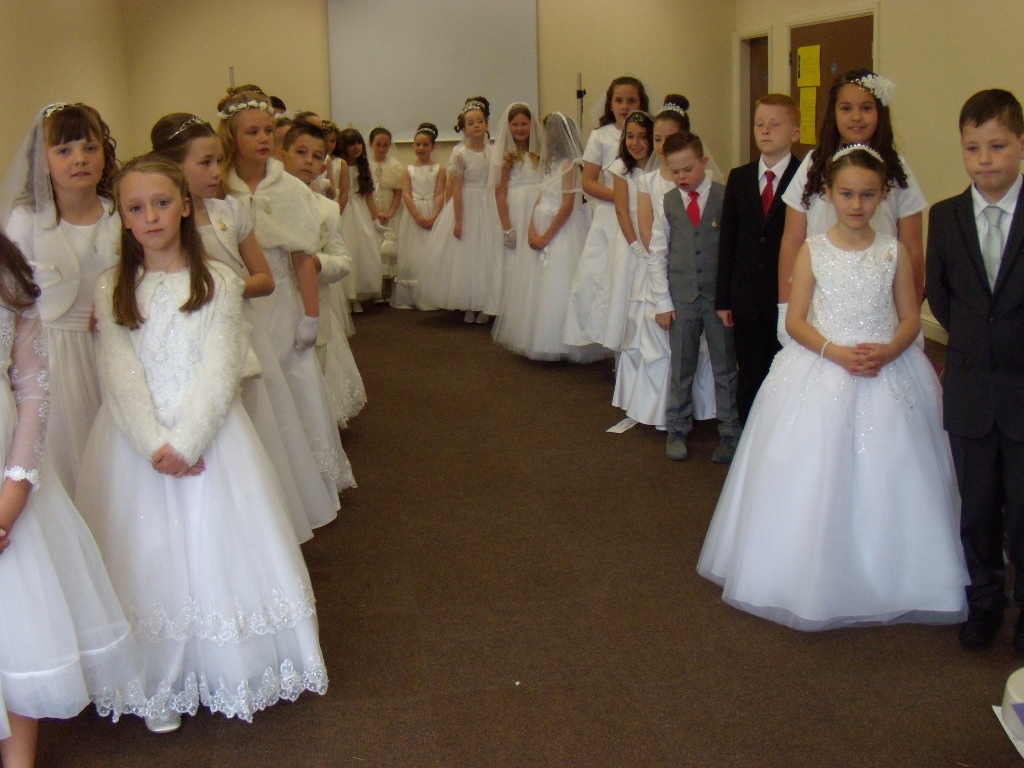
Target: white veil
[(562, 152), (505, 145), (27, 182)]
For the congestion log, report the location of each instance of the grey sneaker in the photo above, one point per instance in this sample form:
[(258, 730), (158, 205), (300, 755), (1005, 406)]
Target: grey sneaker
[(675, 447), (725, 451)]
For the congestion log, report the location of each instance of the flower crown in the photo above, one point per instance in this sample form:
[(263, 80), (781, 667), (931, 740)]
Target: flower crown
[(853, 148), (194, 120), (244, 105), (474, 104), (670, 107), (882, 88)]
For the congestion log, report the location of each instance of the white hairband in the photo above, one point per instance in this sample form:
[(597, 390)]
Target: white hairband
[(853, 148), (244, 105)]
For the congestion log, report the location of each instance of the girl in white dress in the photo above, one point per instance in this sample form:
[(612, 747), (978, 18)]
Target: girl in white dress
[(857, 113), (227, 236), (303, 151), (642, 377), (423, 185), (600, 289), (358, 217), (186, 507), (464, 255), (63, 637), (286, 222), (56, 210), (515, 176), (387, 196), (538, 291), (841, 504)]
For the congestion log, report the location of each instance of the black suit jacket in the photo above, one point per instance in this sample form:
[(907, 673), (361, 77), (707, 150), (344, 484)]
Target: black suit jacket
[(748, 251), (983, 385)]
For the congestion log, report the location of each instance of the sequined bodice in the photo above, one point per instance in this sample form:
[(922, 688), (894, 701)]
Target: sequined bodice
[(853, 300), (169, 356)]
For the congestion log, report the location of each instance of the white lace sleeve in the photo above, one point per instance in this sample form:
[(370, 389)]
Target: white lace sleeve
[(31, 385), (205, 403), (122, 377)]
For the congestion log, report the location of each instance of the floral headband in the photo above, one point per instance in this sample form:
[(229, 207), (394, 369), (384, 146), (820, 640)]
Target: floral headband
[(244, 105), (853, 148), (882, 88)]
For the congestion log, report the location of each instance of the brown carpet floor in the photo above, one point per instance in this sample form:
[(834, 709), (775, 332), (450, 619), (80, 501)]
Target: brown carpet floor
[(510, 585)]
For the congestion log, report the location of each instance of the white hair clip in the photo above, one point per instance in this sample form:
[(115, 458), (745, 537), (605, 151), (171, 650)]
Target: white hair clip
[(853, 148), (882, 88), (244, 105)]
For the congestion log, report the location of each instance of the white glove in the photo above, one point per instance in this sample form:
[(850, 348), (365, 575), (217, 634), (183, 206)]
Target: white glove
[(305, 333), (509, 237), (780, 329), (637, 249)]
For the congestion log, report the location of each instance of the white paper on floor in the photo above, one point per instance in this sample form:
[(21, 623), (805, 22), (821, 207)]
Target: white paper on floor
[(1016, 742), (623, 425)]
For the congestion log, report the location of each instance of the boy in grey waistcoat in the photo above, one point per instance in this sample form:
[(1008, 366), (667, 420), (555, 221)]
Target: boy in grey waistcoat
[(683, 277)]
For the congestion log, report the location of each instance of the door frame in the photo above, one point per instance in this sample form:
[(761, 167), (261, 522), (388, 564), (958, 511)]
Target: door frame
[(740, 86)]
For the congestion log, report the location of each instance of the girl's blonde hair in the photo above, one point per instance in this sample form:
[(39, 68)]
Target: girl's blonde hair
[(131, 268), (226, 127)]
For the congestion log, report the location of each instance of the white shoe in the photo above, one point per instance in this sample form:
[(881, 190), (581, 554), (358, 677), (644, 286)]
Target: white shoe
[(469, 317), (483, 317), (357, 307), (166, 723)]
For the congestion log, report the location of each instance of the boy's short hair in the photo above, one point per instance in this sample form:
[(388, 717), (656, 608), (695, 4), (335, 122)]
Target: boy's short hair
[(679, 142), (993, 104), (781, 100), (301, 128)]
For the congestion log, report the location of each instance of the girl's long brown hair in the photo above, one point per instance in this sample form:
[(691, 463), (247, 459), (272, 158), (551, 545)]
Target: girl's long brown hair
[(131, 268), (17, 290)]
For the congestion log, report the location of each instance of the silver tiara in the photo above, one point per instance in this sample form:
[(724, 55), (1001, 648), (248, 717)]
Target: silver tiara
[(633, 116), (428, 130), (244, 105), (55, 107), (474, 104), (673, 108), (194, 120), (853, 148)]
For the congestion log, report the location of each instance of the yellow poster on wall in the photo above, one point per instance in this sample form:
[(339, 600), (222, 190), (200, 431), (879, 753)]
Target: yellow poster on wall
[(808, 109), (808, 66)]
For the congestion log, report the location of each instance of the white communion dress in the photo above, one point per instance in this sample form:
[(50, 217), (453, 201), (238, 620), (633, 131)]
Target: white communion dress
[(63, 636), (207, 567), (841, 506), (412, 238)]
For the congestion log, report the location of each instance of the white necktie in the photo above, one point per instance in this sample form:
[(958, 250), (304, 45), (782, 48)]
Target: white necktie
[(992, 245)]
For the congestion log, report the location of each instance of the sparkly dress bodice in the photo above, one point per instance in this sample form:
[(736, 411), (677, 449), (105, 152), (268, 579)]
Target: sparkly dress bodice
[(168, 354), (853, 300)]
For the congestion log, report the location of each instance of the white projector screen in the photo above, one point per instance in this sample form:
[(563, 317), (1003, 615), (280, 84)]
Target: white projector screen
[(398, 64)]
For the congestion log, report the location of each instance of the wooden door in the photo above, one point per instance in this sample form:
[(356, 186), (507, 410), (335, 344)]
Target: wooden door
[(844, 44), (757, 48)]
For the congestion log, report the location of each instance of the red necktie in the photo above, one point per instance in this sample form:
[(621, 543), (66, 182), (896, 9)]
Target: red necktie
[(693, 210), (767, 195)]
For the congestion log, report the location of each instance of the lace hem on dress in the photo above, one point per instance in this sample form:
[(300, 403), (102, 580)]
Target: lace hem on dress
[(243, 702), (273, 614)]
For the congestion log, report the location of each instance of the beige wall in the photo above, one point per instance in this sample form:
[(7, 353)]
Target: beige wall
[(59, 50)]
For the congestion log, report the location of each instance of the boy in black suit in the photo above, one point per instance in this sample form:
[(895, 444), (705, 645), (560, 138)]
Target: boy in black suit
[(975, 270), (753, 217)]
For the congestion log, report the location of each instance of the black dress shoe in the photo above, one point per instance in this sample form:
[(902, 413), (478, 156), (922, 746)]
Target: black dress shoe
[(1018, 635), (979, 631)]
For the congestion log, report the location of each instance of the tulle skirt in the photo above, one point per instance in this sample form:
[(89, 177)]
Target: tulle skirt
[(466, 272), (208, 570), (74, 399), (341, 374), (63, 636), (841, 506), (412, 253), (364, 246), (537, 293)]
